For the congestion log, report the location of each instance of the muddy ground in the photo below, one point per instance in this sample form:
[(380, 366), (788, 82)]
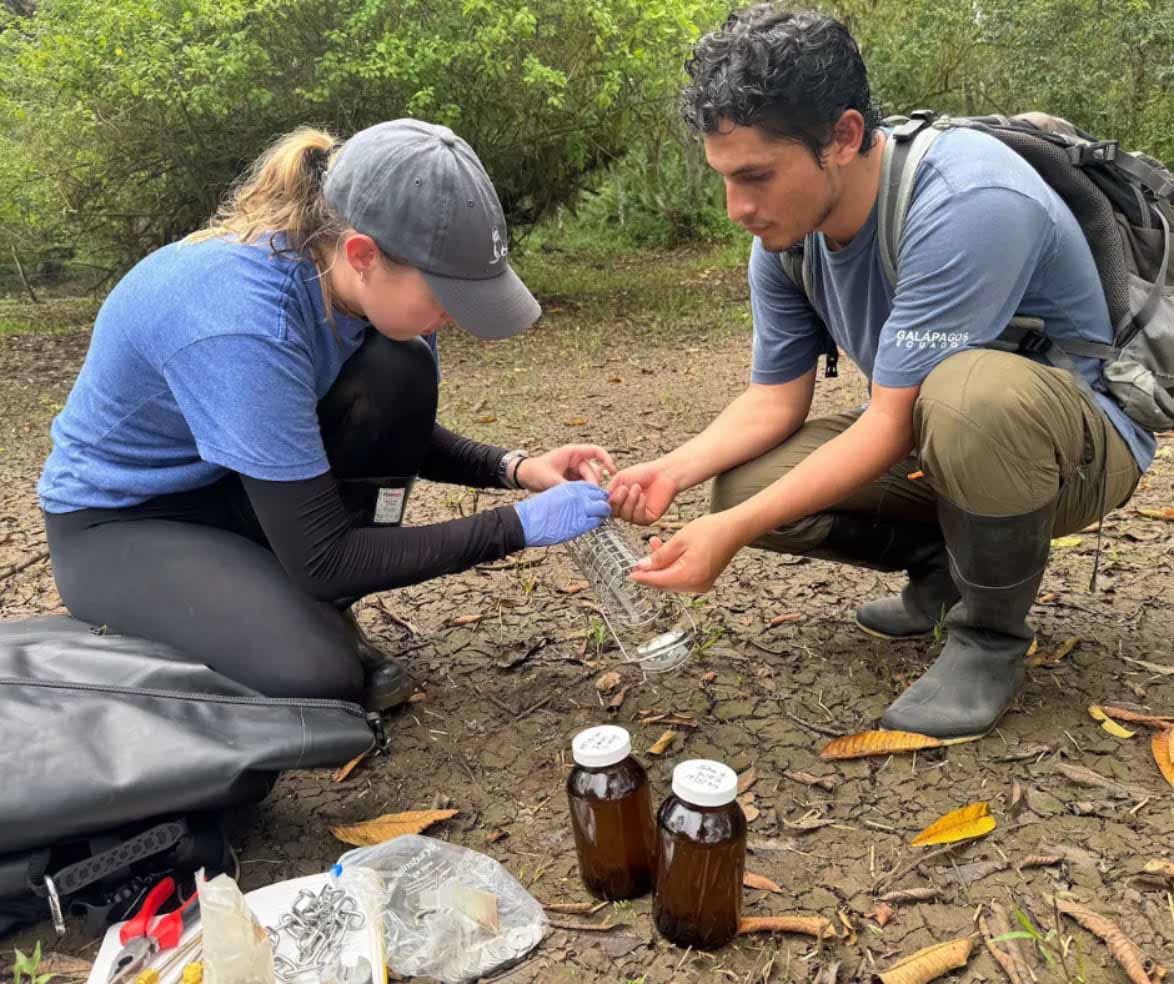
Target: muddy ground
[(637, 355)]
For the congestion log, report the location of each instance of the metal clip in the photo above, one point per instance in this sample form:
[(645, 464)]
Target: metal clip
[(55, 906)]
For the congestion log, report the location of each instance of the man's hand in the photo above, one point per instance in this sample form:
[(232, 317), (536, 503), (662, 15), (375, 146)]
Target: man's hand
[(570, 463), (693, 559), (642, 493)]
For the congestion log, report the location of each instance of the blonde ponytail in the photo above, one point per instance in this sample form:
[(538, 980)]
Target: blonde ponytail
[(281, 195)]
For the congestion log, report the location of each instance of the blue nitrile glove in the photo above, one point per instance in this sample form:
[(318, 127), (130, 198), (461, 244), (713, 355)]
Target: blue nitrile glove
[(562, 513)]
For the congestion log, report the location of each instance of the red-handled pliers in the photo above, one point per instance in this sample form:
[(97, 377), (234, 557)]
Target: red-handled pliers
[(141, 939)]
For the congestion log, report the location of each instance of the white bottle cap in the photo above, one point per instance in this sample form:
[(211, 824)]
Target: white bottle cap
[(597, 748), (705, 783)]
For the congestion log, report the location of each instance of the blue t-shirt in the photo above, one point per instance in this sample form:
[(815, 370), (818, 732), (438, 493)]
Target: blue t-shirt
[(206, 357), (985, 239)]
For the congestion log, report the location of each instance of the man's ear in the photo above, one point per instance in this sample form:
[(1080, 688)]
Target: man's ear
[(361, 251), (847, 136)]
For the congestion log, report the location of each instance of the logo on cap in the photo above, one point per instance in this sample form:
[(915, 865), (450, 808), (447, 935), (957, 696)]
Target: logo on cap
[(500, 248)]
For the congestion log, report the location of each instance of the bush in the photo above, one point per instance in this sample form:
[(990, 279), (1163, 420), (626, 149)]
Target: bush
[(141, 112)]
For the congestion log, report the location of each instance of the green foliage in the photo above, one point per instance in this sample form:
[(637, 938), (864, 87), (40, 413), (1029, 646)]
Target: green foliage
[(139, 114), (25, 968), (1107, 65)]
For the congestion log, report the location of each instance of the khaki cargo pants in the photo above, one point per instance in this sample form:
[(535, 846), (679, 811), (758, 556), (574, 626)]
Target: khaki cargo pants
[(995, 433)]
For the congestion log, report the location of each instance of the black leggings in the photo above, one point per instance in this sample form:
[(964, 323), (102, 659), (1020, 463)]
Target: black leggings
[(194, 569)]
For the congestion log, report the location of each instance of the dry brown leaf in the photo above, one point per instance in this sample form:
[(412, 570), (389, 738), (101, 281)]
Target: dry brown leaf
[(1047, 599), (911, 895), (815, 926), (662, 743), (1064, 649), (617, 701), (931, 963), (487, 419), (1108, 723), (1163, 748), (417, 697), (783, 619), (849, 930), (342, 774), (608, 682), (882, 914), (496, 835), (384, 828), (574, 908), (1136, 717), (751, 880), (574, 587), (824, 782), (747, 779), (966, 823), (1166, 514), (749, 810), (1006, 953), (64, 967), (876, 743), (1124, 950), (576, 421), (709, 677), (466, 619)]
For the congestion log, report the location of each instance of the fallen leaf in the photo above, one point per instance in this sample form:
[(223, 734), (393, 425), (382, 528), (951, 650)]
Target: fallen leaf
[(1047, 599), (1064, 649), (1152, 667), (621, 945), (815, 926), (608, 682), (662, 743), (749, 810), (876, 743), (911, 895), (747, 779), (882, 914), (966, 823), (417, 697), (824, 782), (62, 965), (751, 880), (496, 835), (1163, 748), (1124, 950), (617, 701), (1136, 717), (574, 908), (1064, 542), (709, 677), (384, 828), (574, 587), (576, 421), (341, 775), (1039, 861), (783, 619), (1166, 514), (1109, 724), (931, 963), (1159, 871), (1006, 953), (466, 619), (849, 930), (487, 419)]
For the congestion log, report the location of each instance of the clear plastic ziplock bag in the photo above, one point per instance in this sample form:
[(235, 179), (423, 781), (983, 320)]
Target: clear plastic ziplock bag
[(449, 912)]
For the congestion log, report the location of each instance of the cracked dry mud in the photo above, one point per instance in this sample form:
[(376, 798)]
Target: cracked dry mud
[(492, 734)]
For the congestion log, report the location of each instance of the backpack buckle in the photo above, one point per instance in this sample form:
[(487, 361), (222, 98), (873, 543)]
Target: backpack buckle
[(1034, 342), (1101, 152)]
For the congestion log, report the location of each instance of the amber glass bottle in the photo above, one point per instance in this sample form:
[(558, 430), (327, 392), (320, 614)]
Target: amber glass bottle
[(701, 842), (611, 815)]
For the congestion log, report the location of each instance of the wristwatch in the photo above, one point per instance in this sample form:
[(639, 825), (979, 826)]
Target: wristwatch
[(507, 468)]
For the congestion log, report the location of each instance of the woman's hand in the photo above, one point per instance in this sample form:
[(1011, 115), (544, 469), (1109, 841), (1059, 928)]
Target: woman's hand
[(569, 463)]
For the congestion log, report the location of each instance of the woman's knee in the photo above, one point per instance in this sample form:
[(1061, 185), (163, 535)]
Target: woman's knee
[(377, 418), (322, 668)]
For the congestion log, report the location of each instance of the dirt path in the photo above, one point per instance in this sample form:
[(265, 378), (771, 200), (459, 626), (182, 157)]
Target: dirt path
[(638, 368)]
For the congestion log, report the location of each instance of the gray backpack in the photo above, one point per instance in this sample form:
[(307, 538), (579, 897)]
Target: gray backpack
[(1125, 206)]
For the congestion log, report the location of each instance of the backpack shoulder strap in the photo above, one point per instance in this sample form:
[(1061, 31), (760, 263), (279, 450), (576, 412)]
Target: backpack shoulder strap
[(796, 263), (904, 151)]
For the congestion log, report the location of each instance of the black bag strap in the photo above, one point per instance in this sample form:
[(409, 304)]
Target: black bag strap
[(73, 878)]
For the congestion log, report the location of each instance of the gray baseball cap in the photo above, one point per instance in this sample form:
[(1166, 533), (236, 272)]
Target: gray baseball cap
[(420, 192)]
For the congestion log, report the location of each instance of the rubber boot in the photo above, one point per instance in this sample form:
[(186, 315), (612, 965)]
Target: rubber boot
[(895, 545), (997, 563), (387, 682)]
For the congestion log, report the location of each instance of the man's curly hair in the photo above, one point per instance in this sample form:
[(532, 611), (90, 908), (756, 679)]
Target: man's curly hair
[(789, 73)]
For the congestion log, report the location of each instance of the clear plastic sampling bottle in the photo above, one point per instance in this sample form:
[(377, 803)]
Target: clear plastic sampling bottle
[(701, 842), (611, 815)]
